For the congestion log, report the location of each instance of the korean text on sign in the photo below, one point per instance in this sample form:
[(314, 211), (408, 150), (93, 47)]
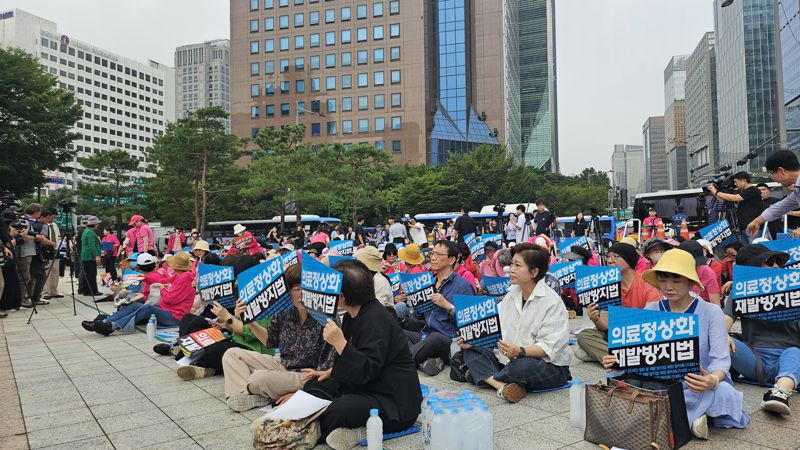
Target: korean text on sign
[(765, 293), (478, 320), (419, 290), (601, 285), (321, 288), (263, 290)]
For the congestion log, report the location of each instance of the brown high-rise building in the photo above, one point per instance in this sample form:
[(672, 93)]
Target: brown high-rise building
[(419, 79)]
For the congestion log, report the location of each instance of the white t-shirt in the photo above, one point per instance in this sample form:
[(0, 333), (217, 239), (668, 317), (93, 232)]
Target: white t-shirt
[(383, 289), (524, 230), (418, 235)]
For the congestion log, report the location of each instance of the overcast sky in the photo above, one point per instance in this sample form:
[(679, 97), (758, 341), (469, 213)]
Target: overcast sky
[(611, 54)]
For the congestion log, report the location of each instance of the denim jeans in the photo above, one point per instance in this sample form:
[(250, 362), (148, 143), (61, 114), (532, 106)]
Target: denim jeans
[(776, 362), (402, 310), (533, 373), (140, 313)]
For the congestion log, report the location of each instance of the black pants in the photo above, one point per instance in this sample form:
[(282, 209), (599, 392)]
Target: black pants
[(436, 345), (212, 355), (90, 277), (38, 277), (110, 265), (349, 410), (398, 240)]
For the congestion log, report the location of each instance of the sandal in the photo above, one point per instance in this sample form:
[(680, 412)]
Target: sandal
[(512, 392)]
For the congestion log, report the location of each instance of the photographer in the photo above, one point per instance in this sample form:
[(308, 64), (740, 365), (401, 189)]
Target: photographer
[(784, 168), (30, 263), (748, 200), (49, 253)]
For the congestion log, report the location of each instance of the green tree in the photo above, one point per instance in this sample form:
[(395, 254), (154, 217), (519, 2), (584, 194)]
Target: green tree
[(109, 178), (195, 151), (35, 122), (358, 173)]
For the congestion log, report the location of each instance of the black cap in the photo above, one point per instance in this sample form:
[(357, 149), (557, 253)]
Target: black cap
[(490, 245), (755, 255), (696, 250), (655, 243)]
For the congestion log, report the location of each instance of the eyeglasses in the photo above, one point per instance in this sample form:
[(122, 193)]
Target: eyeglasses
[(439, 254)]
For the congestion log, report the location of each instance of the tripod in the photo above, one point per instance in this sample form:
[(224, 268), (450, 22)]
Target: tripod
[(597, 233)]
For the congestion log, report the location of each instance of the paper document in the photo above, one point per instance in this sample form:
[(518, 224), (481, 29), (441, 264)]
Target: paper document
[(300, 406), (188, 360)]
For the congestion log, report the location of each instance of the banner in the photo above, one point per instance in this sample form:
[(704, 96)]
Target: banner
[(332, 260), (656, 344), (194, 342), (470, 238), (565, 273), (496, 286), (492, 238), (321, 288), (477, 320), (263, 290), (215, 284), (476, 250), (598, 284), (765, 293), (789, 246), (394, 278), (419, 290), (344, 248), (719, 234), (290, 258), (564, 246)]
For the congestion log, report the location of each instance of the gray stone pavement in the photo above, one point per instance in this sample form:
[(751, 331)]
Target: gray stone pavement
[(80, 390)]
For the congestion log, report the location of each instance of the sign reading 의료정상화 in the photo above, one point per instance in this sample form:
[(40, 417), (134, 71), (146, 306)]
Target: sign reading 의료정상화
[(263, 290), (598, 284), (719, 234), (766, 294), (194, 342), (419, 291), (566, 244), (496, 286), (290, 258), (658, 344), (470, 238), (477, 251), (215, 284), (492, 238), (321, 288), (788, 246), (394, 279), (477, 320), (344, 248), (565, 273)]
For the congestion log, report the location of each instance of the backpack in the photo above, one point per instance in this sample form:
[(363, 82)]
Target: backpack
[(286, 434)]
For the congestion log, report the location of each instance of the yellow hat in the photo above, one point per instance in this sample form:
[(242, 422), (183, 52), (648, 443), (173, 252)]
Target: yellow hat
[(411, 254), (675, 261), (630, 241), (202, 244)]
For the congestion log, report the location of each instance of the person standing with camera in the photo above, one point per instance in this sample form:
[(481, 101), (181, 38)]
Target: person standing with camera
[(749, 204), (30, 261), (49, 253)]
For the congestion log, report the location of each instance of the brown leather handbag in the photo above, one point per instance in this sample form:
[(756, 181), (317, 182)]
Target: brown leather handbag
[(628, 417)]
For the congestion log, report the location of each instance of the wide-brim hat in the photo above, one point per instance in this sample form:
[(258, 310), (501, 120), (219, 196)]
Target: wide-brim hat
[(238, 228), (371, 258), (181, 261), (755, 255), (289, 247), (92, 220), (202, 244), (675, 261), (411, 254), (695, 249)]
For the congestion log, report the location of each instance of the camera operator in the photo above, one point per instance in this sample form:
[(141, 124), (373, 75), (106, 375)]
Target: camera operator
[(748, 200), (51, 255), (31, 264), (784, 168)]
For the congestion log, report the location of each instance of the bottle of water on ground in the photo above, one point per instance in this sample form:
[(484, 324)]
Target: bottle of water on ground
[(455, 420), (374, 431), (577, 405), (454, 348), (151, 328)]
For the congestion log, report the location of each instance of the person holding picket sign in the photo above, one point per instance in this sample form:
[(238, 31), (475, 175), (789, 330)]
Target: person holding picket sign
[(534, 352), (710, 396)]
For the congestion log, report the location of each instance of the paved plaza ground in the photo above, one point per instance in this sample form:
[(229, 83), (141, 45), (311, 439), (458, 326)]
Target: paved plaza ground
[(63, 387)]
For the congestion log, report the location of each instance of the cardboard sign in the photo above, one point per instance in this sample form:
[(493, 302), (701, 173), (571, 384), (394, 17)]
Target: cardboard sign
[(344, 248), (332, 260), (215, 284), (789, 246), (419, 290), (566, 244), (496, 286), (719, 234), (194, 342), (492, 238), (598, 284), (321, 289), (290, 258), (476, 250), (766, 294), (658, 344), (478, 320), (565, 273), (394, 278), (470, 238), (263, 290)]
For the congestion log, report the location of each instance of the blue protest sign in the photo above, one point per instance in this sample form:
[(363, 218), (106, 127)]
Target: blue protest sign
[(332, 260), (476, 250), (470, 238), (492, 238), (106, 246), (290, 258), (215, 284), (789, 246), (419, 290), (598, 284), (782, 236), (496, 286), (478, 320), (344, 248), (394, 278), (765, 293), (263, 290), (658, 344), (564, 246), (321, 288), (719, 234), (565, 273)]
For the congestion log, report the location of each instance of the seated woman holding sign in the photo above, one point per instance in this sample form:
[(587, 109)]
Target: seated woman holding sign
[(373, 366), (710, 395), (534, 352), (254, 379)]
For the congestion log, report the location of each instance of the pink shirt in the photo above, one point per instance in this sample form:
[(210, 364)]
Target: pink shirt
[(175, 238), (155, 276), (464, 273), (486, 268), (709, 280), (320, 237), (130, 236), (113, 239), (142, 232), (642, 265), (179, 297)]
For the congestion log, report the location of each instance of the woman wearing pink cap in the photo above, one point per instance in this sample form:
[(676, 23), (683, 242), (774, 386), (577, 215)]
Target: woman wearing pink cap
[(144, 235)]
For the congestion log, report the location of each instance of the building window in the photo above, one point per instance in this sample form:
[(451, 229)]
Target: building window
[(377, 33), (380, 124), (254, 25), (269, 88), (330, 105), (396, 147), (362, 57), (283, 3), (269, 4), (347, 127), (377, 55), (315, 106), (315, 129), (269, 45), (344, 15), (270, 111), (284, 109), (394, 7), (255, 90), (396, 77), (379, 101), (396, 125), (254, 112), (377, 9), (378, 78), (253, 47), (301, 108), (314, 61), (284, 65), (253, 69), (380, 145), (361, 34), (347, 104), (346, 36), (363, 80), (330, 83), (330, 60), (361, 11), (330, 15), (298, 2), (396, 100), (253, 5), (315, 85), (269, 67), (330, 38), (394, 30), (253, 132), (347, 59), (283, 22), (331, 128), (299, 64), (284, 87), (347, 81), (300, 86), (313, 18), (363, 125), (363, 102), (299, 41), (284, 43), (394, 53), (313, 40), (299, 20), (269, 23)]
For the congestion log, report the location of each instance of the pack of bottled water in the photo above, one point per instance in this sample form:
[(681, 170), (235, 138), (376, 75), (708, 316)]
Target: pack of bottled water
[(455, 420)]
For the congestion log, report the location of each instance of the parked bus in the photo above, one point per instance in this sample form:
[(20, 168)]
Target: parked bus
[(224, 230)]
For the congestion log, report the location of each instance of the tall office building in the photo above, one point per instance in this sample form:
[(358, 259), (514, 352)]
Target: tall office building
[(420, 79), (126, 104), (745, 53), (675, 122), (789, 11), (655, 156), (702, 130), (202, 77), (628, 165)]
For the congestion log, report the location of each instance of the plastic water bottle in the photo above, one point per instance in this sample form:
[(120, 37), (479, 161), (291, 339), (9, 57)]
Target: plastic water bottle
[(374, 431), (453, 426), (155, 321), (439, 437), (486, 433), (577, 405), (277, 354), (151, 330), (454, 348)]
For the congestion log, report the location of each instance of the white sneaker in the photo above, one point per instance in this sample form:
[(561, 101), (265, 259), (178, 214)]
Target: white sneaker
[(581, 354), (700, 427), (346, 438)]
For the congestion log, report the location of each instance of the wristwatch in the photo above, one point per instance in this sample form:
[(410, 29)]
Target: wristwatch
[(521, 353), (229, 321)]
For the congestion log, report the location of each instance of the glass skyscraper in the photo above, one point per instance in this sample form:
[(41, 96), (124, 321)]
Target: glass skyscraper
[(789, 11)]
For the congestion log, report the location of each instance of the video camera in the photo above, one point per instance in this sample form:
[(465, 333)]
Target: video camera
[(7, 200), (67, 204), (723, 183), (499, 208)]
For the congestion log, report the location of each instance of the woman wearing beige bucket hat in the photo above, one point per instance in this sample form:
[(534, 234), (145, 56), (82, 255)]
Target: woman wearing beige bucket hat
[(710, 396)]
